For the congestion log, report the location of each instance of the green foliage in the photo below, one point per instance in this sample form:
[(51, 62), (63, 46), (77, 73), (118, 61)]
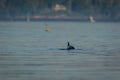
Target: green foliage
[(35, 7), (2, 3)]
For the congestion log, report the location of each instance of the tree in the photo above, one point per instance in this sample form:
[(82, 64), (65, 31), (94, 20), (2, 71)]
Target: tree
[(2, 3), (33, 3)]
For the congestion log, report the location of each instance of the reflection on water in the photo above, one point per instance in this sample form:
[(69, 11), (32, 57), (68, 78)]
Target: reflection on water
[(28, 52)]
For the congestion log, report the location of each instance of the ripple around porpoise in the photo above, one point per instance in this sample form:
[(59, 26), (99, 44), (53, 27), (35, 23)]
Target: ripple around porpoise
[(64, 49)]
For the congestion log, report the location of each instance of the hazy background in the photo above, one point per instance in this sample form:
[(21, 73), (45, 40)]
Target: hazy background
[(99, 9)]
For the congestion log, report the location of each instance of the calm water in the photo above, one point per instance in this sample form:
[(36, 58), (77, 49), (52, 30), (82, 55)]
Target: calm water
[(28, 52)]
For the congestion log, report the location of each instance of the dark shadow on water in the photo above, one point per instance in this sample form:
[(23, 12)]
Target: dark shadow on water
[(63, 50), (80, 51)]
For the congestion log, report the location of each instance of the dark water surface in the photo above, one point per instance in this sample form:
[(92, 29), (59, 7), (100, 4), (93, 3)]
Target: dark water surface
[(28, 52)]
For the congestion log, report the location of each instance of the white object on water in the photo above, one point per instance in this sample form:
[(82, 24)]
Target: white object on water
[(92, 19)]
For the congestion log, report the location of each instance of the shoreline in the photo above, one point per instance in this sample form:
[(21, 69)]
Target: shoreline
[(60, 19)]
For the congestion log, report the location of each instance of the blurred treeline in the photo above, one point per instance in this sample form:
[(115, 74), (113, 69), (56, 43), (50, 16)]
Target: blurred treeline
[(110, 8)]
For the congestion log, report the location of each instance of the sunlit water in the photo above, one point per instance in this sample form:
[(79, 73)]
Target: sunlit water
[(28, 52)]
